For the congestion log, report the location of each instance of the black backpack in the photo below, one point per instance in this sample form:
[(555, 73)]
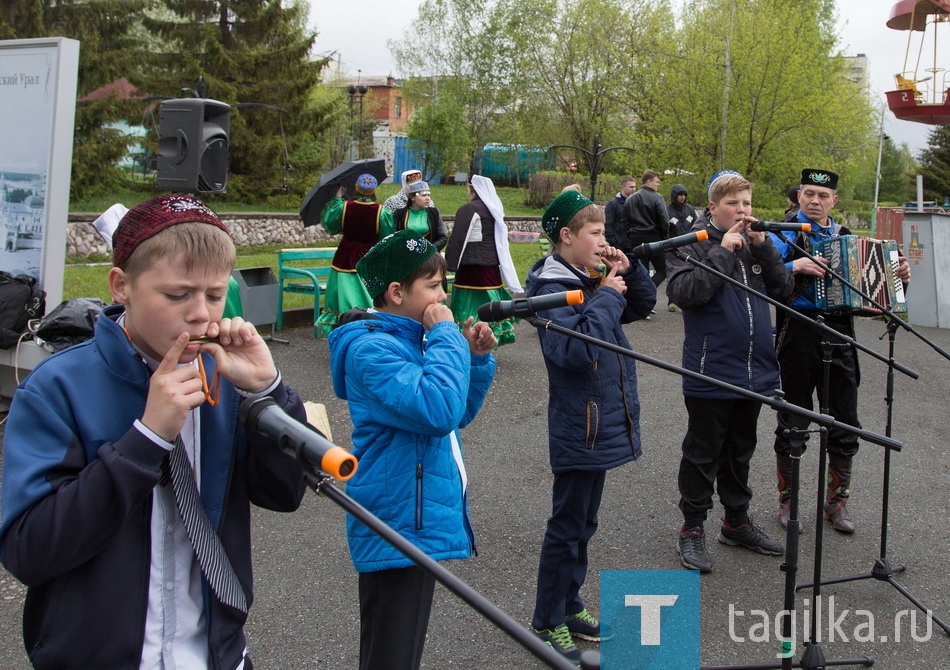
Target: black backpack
[(20, 301)]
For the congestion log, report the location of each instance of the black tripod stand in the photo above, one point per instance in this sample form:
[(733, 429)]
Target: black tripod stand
[(882, 569), (813, 657)]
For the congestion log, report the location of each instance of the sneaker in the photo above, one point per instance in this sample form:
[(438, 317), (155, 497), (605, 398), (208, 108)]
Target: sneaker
[(692, 549), (652, 311), (750, 537), (585, 626), (671, 307), (560, 638)]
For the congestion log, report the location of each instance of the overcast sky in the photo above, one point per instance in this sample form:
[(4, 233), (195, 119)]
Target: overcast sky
[(358, 34)]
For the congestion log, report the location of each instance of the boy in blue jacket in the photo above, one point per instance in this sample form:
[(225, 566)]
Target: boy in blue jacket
[(108, 441), (593, 407), (728, 336), (411, 380)]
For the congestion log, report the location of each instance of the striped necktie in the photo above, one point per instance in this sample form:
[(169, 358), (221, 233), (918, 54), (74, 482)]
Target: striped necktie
[(209, 551)]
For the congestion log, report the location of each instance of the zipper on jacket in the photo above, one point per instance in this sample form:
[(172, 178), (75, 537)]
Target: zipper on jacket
[(419, 496), (748, 306), (702, 356), (593, 422)]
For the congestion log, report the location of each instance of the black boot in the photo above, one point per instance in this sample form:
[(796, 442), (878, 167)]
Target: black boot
[(839, 482), (783, 469)]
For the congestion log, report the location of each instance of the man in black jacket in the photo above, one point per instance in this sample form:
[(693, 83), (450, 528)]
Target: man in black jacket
[(646, 220), (613, 211)]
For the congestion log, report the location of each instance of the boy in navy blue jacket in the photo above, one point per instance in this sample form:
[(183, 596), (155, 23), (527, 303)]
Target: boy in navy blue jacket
[(108, 441), (728, 336), (593, 408)]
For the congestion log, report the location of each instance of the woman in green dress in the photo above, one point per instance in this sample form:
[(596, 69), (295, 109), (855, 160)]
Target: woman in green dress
[(478, 254), (421, 216), (363, 222)]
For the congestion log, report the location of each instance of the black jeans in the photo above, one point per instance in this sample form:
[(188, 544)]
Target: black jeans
[(800, 360), (394, 616), (718, 446), (563, 567)]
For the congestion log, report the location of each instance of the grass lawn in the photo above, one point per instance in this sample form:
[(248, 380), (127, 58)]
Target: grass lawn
[(91, 280)]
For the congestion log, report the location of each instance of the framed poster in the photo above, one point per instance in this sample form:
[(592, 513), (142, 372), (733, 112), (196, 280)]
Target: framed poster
[(38, 80)]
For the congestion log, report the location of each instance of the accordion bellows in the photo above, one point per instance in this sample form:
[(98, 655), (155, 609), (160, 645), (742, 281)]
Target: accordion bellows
[(870, 265)]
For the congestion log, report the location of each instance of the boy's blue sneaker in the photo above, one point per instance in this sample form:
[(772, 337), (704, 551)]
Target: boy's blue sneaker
[(585, 626), (560, 638)]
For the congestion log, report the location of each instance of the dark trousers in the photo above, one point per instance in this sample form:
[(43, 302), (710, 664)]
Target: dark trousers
[(657, 261), (718, 446), (800, 360), (563, 566), (394, 617)]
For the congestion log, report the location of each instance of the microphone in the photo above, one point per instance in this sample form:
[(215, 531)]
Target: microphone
[(650, 248), (773, 227), (264, 415), (496, 310)]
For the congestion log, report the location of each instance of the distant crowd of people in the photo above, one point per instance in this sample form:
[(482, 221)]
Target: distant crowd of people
[(129, 471)]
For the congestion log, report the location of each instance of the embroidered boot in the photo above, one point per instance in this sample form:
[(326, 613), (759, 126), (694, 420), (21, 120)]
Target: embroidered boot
[(839, 482), (783, 469)]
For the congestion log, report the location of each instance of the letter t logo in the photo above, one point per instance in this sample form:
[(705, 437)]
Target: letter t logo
[(649, 615)]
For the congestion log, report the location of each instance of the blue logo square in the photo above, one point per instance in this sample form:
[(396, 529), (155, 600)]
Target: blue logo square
[(654, 618)]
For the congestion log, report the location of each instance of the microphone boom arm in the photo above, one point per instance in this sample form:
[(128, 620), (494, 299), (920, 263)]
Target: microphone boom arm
[(322, 483), (798, 315), (775, 402)]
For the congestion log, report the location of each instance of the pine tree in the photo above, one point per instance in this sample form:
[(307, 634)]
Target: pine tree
[(109, 49), (935, 164), (254, 54)]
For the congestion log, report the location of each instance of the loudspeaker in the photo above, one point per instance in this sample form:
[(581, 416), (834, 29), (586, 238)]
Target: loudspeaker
[(193, 145)]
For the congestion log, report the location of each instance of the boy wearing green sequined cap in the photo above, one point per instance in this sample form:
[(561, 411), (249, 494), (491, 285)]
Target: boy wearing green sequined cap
[(411, 379), (593, 406)]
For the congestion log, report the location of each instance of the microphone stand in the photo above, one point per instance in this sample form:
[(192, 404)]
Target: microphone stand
[(322, 483), (882, 569), (813, 657), (776, 402)]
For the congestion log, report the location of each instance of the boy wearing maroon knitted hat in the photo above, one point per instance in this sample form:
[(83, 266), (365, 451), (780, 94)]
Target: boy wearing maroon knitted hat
[(127, 478)]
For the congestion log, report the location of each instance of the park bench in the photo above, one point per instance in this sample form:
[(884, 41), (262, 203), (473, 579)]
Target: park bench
[(303, 271), (298, 272)]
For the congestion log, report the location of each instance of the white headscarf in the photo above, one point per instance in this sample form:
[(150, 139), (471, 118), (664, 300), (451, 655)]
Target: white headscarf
[(108, 221), (485, 189), (405, 184)]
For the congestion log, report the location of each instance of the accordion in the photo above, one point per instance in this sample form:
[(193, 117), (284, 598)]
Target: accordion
[(868, 264)]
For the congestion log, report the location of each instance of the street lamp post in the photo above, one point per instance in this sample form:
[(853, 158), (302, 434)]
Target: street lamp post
[(357, 91), (594, 159)]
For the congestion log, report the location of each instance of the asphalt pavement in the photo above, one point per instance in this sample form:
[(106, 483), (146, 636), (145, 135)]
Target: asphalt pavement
[(305, 611)]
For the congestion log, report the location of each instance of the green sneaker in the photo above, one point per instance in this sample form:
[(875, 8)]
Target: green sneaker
[(585, 626), (671, 307), (560, 638)]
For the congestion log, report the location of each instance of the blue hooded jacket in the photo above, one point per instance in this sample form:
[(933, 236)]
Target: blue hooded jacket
[(408, 391), (593, 406)]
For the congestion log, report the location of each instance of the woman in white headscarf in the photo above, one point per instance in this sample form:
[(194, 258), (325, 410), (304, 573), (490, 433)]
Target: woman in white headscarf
[(478, 254), (401, 199)]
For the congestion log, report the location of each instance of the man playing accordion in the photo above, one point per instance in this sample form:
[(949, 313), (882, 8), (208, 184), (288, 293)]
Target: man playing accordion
[(799, 353)]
